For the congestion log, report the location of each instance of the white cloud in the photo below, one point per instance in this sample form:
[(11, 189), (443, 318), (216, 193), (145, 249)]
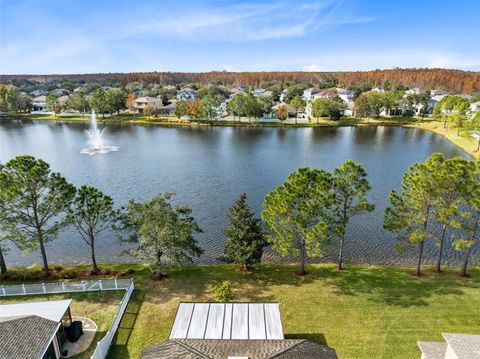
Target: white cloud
[(312, 68), (242, 23)]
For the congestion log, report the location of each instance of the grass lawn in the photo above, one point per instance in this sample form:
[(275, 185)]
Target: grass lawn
[(363, 312), (100, 307)]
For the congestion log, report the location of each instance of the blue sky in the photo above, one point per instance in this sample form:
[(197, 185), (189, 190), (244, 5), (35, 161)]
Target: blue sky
[(78, 36)]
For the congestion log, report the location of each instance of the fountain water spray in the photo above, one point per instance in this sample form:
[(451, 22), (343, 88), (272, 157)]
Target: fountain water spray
[(96, 142)]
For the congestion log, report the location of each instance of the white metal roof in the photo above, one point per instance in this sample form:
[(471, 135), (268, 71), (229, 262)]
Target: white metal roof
[(50, 309), (227, 321)]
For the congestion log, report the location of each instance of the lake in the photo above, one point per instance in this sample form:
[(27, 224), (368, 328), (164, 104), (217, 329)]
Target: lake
[(208, 168)]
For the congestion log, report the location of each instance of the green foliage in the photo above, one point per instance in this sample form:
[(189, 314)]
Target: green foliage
[(181, 109), (369, 103), (392, 100), (293, 91), (298, 214), (78, 102), (298, 104), (411, 211), (115, 100), (163, 233), (34, 200), (244, 235), (210, 105), (452, 110), (12, 100), (53, 104), (416, 103), (92, 213), (328, 107), (469, 217), (98, 101), (223, 293), (350, 186)]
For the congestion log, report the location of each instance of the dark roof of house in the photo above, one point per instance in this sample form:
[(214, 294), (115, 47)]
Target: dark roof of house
[(253, 349), (25, 337)]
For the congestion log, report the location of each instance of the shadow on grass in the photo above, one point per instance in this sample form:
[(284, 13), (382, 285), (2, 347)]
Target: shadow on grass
[(396, 286), (119, 348), (198, 283), (318, 338)]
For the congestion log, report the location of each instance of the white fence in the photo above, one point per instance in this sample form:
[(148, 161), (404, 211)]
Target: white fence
[(101, 351), (103, 345), (65, 287)]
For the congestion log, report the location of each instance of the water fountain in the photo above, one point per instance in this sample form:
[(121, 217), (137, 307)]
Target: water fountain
[(96, 142)]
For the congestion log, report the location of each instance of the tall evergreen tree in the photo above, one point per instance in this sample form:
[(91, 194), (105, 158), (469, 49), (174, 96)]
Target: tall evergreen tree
[(244, 235), (469, 235), (350, 186), (163, 234), (450, 178), (411, 211), (298, 214), (35, 201), (92, 213)]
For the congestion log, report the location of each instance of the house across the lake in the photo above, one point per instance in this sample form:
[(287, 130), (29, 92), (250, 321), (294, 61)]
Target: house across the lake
[(142, 102), (38, 103), (34, 330), (232, 330), (456, 346)]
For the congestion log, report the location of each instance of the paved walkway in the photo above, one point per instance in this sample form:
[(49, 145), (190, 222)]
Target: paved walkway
[(82, 344)]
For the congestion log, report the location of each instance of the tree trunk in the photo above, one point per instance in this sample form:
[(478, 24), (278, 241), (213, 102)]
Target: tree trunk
[(340, 254), (158, 267), (302, 261), (44, 255), (296, 118), (440, 249), (419, 263), (94, 260), (3, 265), (478, 145), (463, 269)]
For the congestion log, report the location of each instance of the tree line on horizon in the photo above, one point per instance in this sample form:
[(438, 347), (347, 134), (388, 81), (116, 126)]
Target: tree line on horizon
[(439, 201), (456, 81)]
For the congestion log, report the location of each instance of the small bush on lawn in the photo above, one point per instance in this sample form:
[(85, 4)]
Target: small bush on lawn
[(223, 293)]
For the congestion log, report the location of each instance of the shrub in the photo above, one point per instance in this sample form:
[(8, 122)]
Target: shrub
[(67, 274), (57, 267), (223, 293)]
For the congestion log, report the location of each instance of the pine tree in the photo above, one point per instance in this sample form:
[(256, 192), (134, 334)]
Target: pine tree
[(244, 235)]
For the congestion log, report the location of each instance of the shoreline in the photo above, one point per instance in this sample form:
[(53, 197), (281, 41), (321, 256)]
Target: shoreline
[(469, 145), (34, 272)]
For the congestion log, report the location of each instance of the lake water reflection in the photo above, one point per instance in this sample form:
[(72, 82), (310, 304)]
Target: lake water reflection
[(208, 168)]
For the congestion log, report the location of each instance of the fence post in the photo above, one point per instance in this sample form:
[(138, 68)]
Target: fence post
[(44, 289), (100, 284), (116, 285), (24, 290), (3, 291), (63, 286), (84, 286)]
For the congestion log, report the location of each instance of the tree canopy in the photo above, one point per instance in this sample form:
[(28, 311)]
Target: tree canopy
[(298, 214)]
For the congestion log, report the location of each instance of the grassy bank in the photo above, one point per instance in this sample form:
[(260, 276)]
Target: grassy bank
[(362, 312), (468, 144)]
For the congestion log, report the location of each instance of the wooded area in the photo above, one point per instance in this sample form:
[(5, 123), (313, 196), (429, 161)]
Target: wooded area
[(456, 81)]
